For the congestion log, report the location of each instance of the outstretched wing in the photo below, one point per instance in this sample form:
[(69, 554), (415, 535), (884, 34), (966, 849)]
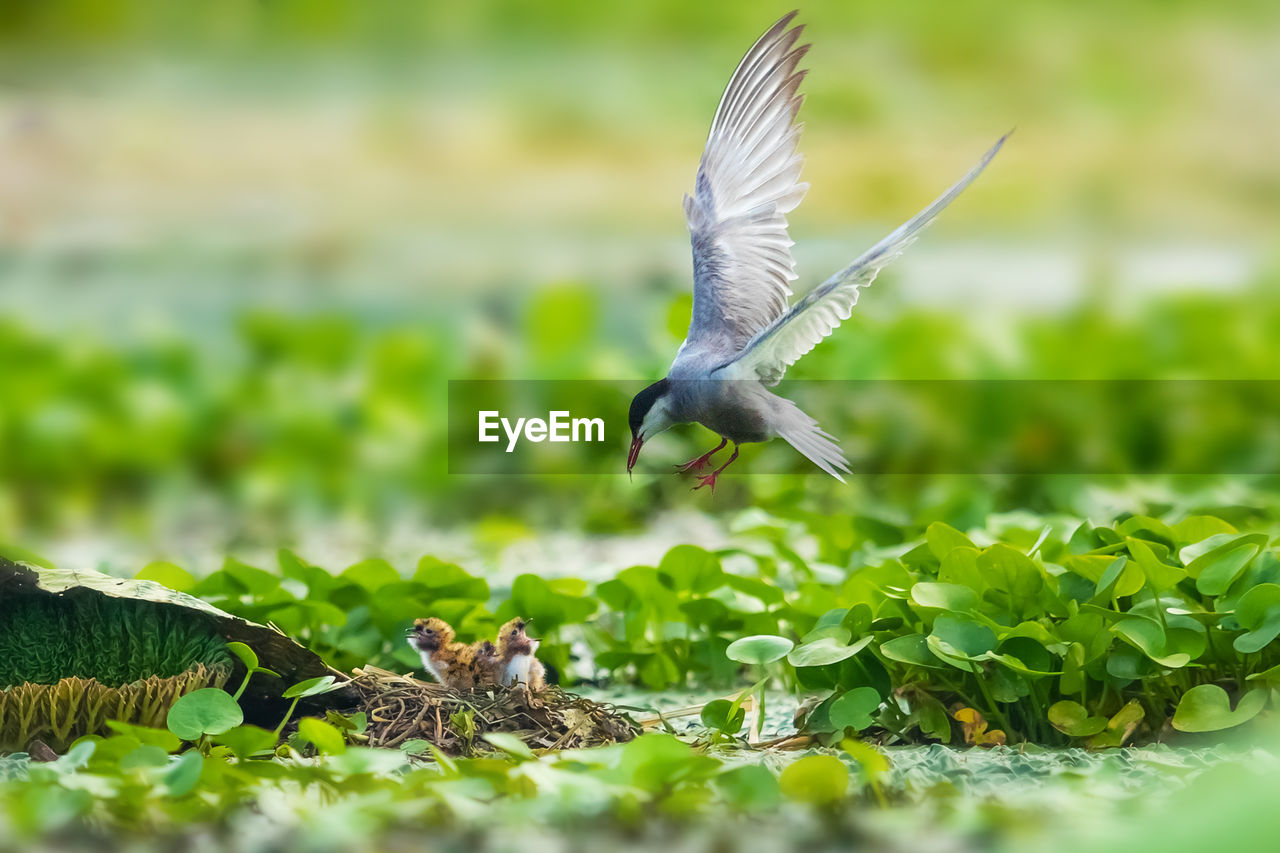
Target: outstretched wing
[(772, 350), (747, 182)]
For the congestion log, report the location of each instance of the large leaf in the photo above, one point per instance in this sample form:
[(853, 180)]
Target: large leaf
[(824, 651), (1207, 708), (208, 711), (759, 649)]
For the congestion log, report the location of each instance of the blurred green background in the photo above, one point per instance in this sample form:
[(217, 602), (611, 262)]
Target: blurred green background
[(244, 245)]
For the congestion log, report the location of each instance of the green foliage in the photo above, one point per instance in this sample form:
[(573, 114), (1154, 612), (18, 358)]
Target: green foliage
[(204, 712), (1098, 634), (1050, 631), (815, 779)]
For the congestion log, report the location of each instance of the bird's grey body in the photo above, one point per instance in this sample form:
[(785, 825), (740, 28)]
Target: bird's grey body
[(742, 412), (743, 333)]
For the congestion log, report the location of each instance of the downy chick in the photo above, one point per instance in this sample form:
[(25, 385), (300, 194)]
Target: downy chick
[(453, 664), (516, 654)]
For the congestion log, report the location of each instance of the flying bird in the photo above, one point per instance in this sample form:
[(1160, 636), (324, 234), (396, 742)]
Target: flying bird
[(744, 334)]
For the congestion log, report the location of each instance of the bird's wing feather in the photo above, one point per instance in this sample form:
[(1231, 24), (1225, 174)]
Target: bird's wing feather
[(772, 350), (803, 433), (747, 182)]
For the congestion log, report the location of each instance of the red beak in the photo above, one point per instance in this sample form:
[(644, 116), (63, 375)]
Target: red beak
[(634, 453)]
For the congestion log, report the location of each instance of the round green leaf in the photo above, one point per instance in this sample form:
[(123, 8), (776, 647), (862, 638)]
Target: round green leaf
[(943, 596), (750, 787), (854, 709), (911, 649), (815, 779), (824, 651), (206, 711), (1072, 718), (759, 649), (964, 638), (181, 778), (1207, 708)]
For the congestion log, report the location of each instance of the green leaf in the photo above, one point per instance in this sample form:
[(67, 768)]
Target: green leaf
[(1258, 611), (854, 709), (162, 738), (1122, 577), (1207, 708), (824, 651), (1072, 718), (692, 568), (1220, 570), (1148, 636), (857, 620), (873, 762), (312, 687), (206, 711), (815, 779), (911, 649), (960, 637), (943, 596), (181, 778), (1119, 728), (1197, 528), (1012, 576), (246, 741), (510, 744), (716, 715), (750, 787), (1162, 575), (246, 655), (168, 574), (759, 649), (324, 737), (943, 538)]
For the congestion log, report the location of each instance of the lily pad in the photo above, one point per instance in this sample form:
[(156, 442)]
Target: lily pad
[(1207, 708), (1072, 718), (759, 649), (824, 651), (208, 711)]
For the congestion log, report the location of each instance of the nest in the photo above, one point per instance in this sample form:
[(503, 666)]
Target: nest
[(401, 709)]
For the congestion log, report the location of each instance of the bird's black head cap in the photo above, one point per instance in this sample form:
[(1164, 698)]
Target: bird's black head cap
[(643, 402)]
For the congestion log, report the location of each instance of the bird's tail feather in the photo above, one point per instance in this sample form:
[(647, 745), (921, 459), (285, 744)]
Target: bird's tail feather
[(803, 433)]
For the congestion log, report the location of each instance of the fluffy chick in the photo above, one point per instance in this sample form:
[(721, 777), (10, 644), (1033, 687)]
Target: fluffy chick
[(453, 664), (516, 656)]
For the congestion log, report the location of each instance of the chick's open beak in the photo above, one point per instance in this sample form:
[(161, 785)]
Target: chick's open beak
[(634, 453)]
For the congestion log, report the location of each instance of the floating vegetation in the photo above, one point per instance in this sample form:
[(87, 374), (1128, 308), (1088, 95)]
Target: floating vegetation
[(401, 710)]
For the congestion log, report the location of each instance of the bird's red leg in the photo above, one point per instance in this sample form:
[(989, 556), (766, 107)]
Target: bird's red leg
[(710, 479), (701, 462)]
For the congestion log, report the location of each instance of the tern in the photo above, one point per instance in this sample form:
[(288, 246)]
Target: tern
[(743, 334)]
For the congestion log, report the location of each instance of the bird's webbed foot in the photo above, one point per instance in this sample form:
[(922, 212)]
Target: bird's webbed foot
[(710, 479), (698, 463)]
